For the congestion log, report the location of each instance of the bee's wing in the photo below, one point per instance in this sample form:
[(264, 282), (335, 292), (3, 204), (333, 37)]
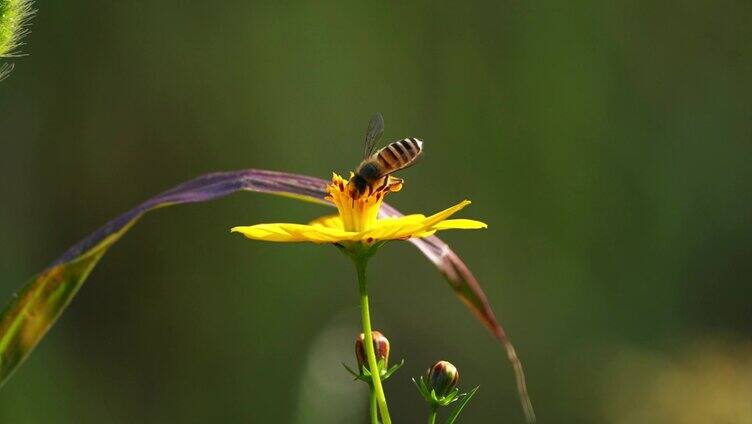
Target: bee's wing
[(375, 130)]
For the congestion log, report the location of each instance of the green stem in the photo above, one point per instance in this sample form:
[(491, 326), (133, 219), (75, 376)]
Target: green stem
[(365, 316), (432, 416), (374, 407)]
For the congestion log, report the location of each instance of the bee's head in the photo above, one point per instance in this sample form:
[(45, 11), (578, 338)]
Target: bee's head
[(357, 186)]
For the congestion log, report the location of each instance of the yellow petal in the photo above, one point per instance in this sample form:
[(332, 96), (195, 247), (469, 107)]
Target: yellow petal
[(331, 221), (424, 234), (418, 225), (401, 229), (460, 224), (446, 213), (414, 217), (394, 228), (401, 220), (284, 232)]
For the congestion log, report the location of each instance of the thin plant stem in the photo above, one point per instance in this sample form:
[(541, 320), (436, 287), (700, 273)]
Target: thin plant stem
[(432, 415), (374, 407), (365, 316)]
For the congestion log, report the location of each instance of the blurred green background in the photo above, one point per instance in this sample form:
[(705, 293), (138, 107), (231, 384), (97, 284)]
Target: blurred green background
[(607, 146)]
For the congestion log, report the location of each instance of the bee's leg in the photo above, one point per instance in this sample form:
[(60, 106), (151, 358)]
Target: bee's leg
[(392, 182), (385, 184)]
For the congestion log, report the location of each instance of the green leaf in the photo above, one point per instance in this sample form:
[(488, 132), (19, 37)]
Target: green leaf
[(463, 400)]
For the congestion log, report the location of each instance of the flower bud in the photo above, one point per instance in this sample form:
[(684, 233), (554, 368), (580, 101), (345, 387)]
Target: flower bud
[(380, 347), (442, 378)]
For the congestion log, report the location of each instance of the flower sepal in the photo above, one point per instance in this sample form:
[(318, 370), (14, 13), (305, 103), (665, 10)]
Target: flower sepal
[(432, 398), (359, 250), (365, 373)]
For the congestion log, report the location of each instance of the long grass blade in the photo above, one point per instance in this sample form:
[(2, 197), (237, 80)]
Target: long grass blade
[(38, 304)]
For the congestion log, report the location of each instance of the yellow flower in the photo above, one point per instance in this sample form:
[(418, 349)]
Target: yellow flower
[(357, 220)]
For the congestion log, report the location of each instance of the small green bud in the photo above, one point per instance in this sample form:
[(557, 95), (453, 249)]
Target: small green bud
[(442, 378), (380, 347)]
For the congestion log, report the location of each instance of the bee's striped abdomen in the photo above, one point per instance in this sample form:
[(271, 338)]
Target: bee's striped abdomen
[(399, 154)]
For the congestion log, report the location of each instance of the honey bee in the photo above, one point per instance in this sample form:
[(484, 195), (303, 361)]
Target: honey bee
[(373, 173)]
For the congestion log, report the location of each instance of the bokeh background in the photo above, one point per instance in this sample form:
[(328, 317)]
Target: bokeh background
[(608, 146)]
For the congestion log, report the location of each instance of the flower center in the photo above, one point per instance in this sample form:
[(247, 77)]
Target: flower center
[(359, 213)]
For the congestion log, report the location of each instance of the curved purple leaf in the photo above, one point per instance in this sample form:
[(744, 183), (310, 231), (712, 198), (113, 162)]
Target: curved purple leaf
[(40, 302)]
